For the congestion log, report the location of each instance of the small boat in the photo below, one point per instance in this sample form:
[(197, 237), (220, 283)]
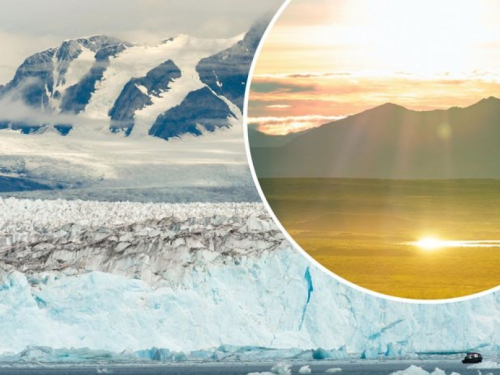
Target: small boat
[(473, 358)]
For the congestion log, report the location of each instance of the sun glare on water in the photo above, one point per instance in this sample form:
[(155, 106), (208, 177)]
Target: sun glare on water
[(430, 243)]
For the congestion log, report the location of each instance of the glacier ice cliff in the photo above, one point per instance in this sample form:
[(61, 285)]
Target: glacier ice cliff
[(128, 276)]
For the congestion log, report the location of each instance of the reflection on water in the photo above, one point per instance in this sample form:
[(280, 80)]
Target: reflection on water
[(432, 244), (360, 228)]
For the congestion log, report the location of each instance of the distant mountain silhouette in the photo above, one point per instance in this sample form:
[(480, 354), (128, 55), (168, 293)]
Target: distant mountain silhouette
[(391, 141)]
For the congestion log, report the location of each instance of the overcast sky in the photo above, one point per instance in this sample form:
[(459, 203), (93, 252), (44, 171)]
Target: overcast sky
[(29, 26)]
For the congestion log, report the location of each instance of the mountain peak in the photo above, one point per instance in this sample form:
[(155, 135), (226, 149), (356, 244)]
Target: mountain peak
[(391, 106), (104, 39), (491, 99), (385, 108), (487, 102), (168, 40), (178, 37), (94, 39), (97, 42)]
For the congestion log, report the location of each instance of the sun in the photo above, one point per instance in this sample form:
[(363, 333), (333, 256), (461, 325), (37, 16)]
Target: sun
[(423, 37), (428, 36), (429, 244)]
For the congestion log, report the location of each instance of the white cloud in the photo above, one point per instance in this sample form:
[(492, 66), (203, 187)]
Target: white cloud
[(13, 110), (290, 124)]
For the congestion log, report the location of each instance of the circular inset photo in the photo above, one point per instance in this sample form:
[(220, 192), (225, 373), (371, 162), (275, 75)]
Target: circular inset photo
[(374, 131)]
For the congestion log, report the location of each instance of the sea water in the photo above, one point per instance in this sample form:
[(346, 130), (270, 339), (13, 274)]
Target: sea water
[(347, 368)]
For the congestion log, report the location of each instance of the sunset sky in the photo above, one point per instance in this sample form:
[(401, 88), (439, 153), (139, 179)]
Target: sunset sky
[(327, 59)]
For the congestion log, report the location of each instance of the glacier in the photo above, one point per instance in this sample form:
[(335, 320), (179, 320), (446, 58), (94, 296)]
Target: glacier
[(199, 281)]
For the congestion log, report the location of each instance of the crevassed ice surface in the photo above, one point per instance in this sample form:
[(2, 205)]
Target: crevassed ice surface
[(130, 276)]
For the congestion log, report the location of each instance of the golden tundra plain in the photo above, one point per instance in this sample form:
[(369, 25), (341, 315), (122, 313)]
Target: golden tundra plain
[(420, 239)]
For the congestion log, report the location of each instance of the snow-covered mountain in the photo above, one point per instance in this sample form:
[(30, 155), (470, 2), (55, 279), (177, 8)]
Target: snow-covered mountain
[(94, 113), (129, 276), (135, 88)]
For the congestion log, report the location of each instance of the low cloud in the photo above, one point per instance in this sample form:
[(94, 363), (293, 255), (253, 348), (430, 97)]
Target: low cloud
[(319, 75), (16, 111), (279, 106), (305, 75), (290, 124), (267, 87)]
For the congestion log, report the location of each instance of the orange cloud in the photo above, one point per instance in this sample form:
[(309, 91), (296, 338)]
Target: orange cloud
[(279, 106), (290, 124)]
